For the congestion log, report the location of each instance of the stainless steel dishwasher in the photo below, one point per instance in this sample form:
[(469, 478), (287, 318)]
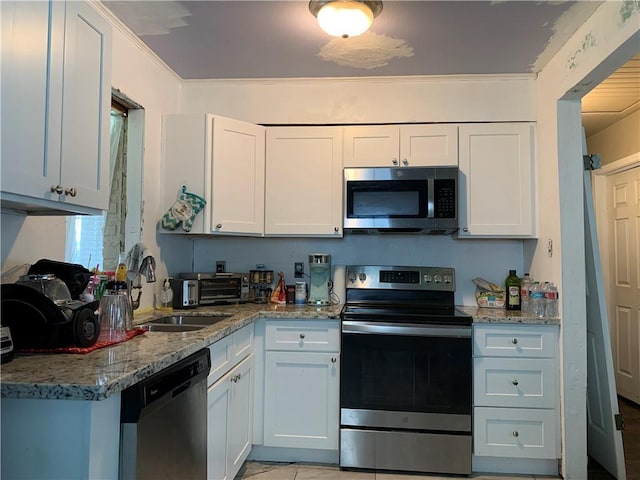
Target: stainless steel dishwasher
[(163, 423)]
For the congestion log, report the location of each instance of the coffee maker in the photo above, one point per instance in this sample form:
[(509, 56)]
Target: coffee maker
[(320, 278)]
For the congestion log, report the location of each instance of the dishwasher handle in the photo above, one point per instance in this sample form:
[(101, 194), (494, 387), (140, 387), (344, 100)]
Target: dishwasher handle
[(164, 385)]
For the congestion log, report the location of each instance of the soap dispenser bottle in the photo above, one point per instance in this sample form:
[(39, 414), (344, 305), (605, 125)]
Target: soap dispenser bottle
[(166, 297)]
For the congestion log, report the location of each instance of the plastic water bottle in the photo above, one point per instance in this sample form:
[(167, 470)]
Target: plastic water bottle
[(524, 293), (551, 301), (537, 300)]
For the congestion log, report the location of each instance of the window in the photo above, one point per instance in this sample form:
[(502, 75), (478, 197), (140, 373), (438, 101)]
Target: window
[(98, 240)]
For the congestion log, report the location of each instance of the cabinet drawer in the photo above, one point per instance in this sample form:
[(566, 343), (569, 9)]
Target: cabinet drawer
[(514, 432), (303, 335), (229, 351), (242, 343), (514, 382), (221, 358), (517, 341)]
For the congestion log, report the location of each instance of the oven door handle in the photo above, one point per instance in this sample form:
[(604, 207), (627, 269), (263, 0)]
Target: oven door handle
[(411, 329)]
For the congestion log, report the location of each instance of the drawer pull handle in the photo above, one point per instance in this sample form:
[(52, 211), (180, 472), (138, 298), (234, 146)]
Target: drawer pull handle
[(57, 189), (333, 360), (302, 336), (515, 382), (514, 341), (515, 434), (72, 192)]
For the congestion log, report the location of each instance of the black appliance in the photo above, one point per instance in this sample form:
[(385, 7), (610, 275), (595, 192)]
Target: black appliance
[(401, 200), (36, 321), (406, 372)]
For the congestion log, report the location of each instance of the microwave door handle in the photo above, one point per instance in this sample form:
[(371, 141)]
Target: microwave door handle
[(430, 198)]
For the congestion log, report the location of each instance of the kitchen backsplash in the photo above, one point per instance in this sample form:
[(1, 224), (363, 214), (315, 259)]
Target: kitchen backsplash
[(490, 259)]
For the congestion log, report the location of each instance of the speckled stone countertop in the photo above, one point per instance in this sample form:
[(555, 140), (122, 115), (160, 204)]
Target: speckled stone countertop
[(500, 315), (107, 371)]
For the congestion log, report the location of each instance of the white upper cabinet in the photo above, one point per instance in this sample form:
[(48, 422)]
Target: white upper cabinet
[(401, 145), (496, 185), (56, 91), (304, 181), (238, 177), (221, 160)]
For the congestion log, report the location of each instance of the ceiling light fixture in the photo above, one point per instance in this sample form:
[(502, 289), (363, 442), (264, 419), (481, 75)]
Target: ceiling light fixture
[(345, 18)]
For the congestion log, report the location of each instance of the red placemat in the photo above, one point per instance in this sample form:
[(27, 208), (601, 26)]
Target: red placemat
[(130, 334)]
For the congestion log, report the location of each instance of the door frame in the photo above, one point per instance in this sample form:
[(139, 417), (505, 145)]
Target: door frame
[(599, 179)]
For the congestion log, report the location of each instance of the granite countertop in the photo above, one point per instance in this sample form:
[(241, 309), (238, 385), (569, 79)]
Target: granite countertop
[(500, 315), (108, 371)]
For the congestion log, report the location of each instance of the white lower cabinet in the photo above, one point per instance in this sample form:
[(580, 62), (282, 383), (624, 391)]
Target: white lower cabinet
[(516, 396), (230, 404), (301, 384)]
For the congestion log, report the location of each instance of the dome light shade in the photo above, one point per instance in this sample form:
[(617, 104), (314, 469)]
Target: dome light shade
[(345, 18)]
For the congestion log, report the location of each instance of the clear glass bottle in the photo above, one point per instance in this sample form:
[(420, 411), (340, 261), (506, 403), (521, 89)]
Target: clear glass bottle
[(512, 289), (524, 293)]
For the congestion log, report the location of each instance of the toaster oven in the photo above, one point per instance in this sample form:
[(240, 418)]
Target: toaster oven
[(216, 288)]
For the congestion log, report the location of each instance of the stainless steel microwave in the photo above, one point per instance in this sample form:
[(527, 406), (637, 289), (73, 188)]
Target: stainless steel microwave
[(401, 200)]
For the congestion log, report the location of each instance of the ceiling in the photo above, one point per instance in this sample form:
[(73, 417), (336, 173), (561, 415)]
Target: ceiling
[(241, 39)]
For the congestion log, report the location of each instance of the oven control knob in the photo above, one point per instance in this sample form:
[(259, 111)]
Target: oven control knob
[(427, 278), (362, 277), (447, 279), (352, 277), (437, 279)]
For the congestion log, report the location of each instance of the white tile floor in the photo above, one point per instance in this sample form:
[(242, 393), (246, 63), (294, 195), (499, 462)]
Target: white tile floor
[(300, 471)]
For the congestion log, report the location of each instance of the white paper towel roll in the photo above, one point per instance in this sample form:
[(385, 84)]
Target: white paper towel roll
[(339, 282)]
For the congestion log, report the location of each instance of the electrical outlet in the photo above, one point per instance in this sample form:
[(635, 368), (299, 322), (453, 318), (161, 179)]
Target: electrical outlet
[(221, 267), (298, 268)]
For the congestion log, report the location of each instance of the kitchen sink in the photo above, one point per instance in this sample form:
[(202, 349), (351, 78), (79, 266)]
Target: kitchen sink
[(189, 320), (182, 323), (164, 327)]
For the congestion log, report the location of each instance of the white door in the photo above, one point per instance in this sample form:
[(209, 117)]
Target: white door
[(237, 197), (304, 181), (496, 180), (219, 402), (371, 146), (429, 145), (623, 194), (301, 400), (84, 171), (604, 442), (32, 39), (240, 415)]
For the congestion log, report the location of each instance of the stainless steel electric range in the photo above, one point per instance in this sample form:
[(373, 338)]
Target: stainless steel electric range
[(406, 371)]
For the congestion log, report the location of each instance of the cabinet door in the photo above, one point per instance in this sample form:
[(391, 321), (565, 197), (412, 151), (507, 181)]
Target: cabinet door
[(31, 96), (304, 181), (237, 197), (301, 400), (374, 146), (240, 415), (496, 180), (186, 160), (219, 403), (428, 145), (86, 105)]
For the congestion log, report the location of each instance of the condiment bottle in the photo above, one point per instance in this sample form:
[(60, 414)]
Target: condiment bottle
[(512, 289)]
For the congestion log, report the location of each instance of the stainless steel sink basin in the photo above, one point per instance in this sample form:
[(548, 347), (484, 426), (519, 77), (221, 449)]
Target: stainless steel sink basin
[(189, 320), (162, 327), (182, 323)]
